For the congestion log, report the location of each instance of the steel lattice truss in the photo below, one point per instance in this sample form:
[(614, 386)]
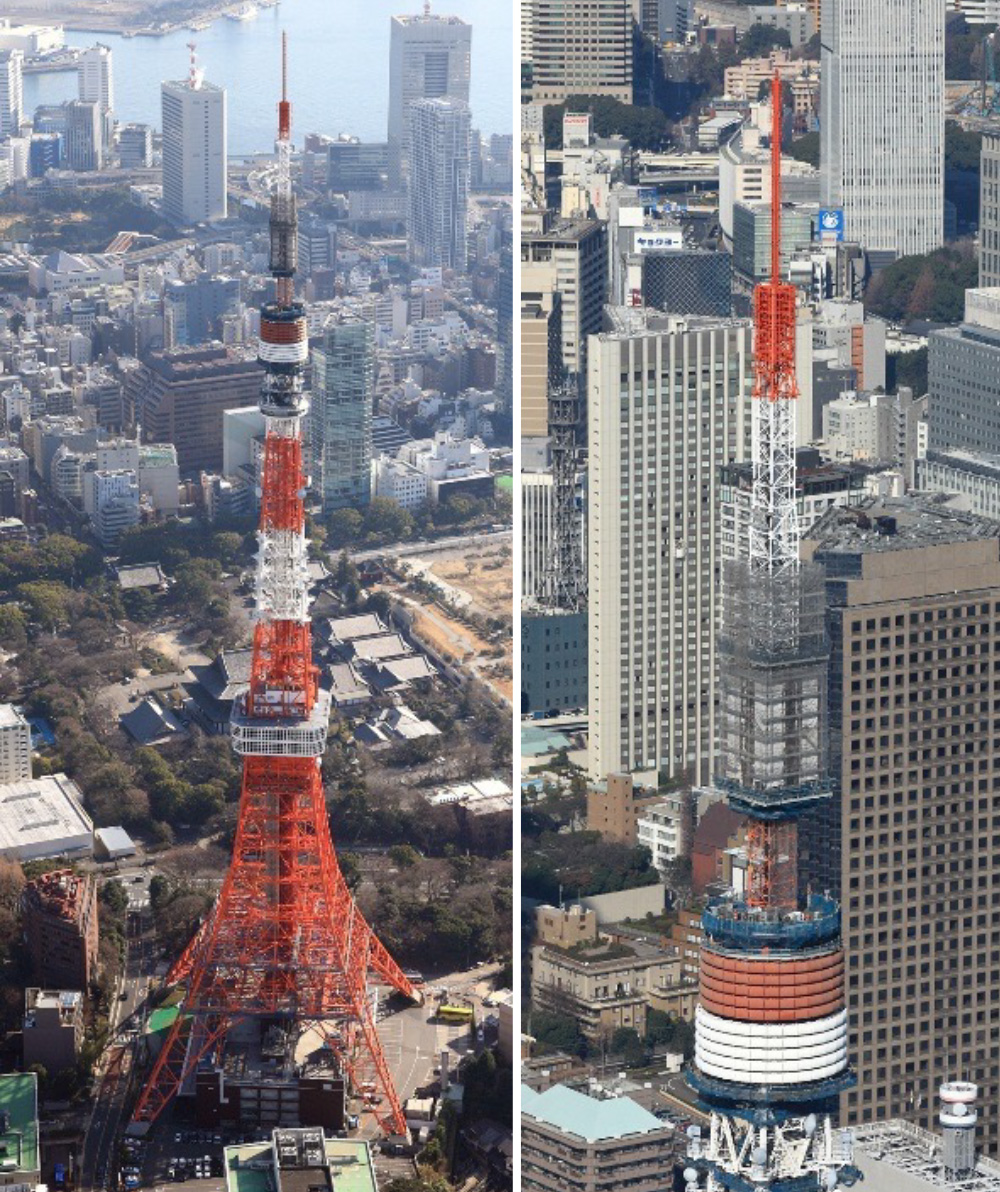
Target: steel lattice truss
[(566, 586)]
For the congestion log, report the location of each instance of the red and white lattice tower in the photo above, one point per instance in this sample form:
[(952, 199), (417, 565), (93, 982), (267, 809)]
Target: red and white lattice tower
[(771, 1030), (285, 942)]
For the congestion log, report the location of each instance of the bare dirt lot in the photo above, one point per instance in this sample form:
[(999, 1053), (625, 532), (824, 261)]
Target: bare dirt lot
[(486, 576)]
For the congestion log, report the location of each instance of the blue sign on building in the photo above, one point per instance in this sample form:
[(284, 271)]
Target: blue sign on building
[(831, 223)]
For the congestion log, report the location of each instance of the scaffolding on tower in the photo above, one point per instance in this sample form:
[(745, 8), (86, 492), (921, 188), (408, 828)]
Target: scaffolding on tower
[(771, 1024), (285, 943)]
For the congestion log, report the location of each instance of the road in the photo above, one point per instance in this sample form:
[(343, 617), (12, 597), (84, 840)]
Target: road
[(126, 1020), (400, 550)]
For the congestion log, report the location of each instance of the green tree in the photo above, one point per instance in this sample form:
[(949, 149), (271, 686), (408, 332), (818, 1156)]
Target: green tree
[(404, 856), (387, 521), (47, 603), (13, 627), (343, 528), (759, 40), (806, 149)]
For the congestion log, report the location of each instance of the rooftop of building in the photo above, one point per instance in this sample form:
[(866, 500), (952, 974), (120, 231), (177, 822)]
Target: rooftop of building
[(979, 461), (570, 1112), (630, 322), (897, 523), (140, 575), (19, 1101), (567, 230), (40, 812), (10, 717), (60, 892), (254, 1166), (899, 1156)]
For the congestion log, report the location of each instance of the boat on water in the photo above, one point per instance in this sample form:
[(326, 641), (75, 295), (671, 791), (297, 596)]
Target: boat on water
[(245, 12), (198, 26)]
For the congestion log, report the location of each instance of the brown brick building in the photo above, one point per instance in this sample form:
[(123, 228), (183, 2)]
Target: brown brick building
[(614, 807), (913, 841), (60, 927)]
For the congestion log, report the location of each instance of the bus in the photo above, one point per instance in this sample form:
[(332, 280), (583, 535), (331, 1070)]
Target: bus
[(455, 1013)]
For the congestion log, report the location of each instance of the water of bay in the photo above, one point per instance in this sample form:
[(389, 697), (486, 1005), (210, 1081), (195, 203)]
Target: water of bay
[(339, 68)]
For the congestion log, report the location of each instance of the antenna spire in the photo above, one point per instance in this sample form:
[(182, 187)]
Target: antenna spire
[(284, 106), (192, 66), (776, 179)]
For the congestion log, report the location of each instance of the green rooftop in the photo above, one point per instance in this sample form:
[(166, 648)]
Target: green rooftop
[(240, 1176), (19, 1099), (505, 482), (350, 1165), (162, 1019), (250, 1168)]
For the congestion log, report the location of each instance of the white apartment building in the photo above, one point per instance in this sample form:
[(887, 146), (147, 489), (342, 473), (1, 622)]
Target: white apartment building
[(882, 133), (399, 481), (439, 183), (860, 426), (67, 474), (537, 534), (668, 402), (11, 92), (194, 150), (15, 746), (114, 499), (661, 830), (977, 12)]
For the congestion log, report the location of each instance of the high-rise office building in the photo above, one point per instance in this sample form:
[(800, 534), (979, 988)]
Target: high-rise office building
[(541, 359), (439, 183), (179, 397), (194, 150), (193, 310), (95, 82), (882, 132), (429, 58), (989, 210), (505, 324), (668, 403), (581, 47), (569, 258), (913, 593), (86, 127), (339, 429), (963, 378), (11, 92)]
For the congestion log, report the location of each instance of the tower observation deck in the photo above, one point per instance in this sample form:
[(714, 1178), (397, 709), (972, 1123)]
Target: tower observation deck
[(285, 943), (771, 1024)]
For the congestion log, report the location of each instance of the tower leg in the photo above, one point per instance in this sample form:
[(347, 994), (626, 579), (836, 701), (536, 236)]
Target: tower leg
[(178, 1057)]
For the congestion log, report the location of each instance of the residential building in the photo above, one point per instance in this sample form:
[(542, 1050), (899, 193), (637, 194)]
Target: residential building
[(581, 47), (114, 498), (11, 92), (882, 133), (615, 805), (575, 1143), (438, 183), (963, 377), (60, 926), (715, 839), (20, 1148), (194, 150), (15, 745), (859, 426), (537, 533), (339, 429), (913, 597), (52, 1029), (569, 258), (668, 404), (814, 6), (179, 397), (541, 359), (135, 146), (400, 482), (429, 58), (662, 827), (565, 927)]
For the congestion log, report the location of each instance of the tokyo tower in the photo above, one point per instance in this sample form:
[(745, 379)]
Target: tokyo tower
[(285, 943), (771, 1031)]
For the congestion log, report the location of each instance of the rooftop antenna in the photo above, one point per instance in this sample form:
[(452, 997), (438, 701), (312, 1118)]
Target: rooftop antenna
[(427, 8), (194, 78), (284, 106)]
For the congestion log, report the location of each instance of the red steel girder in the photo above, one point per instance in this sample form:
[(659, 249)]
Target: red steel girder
[(282, 662), (282, 484), (285, 937)]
